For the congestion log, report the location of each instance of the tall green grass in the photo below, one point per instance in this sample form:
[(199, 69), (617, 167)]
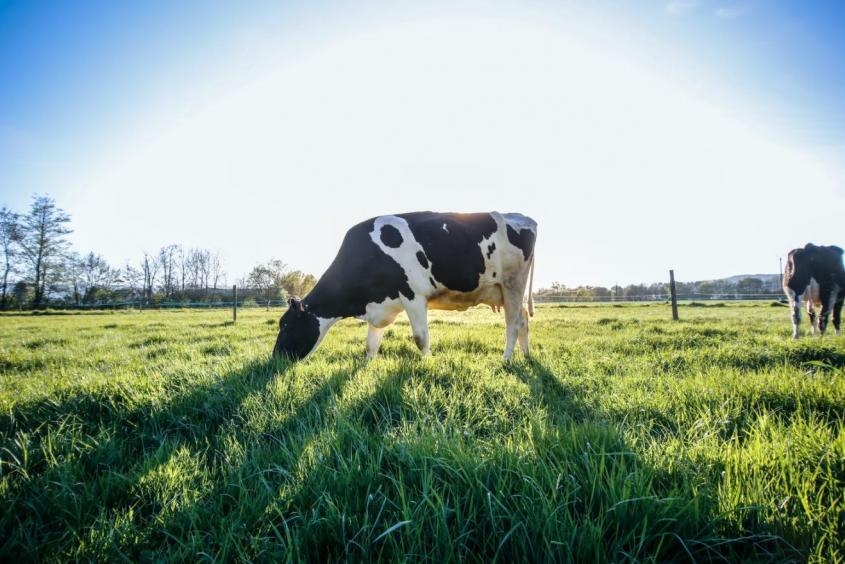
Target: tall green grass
[(625, 437)]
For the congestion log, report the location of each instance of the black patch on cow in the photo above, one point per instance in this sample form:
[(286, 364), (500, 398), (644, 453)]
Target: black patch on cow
[(490, 248), (422, 259), (433, 283), (360, 274), (391, 237), (454, 253), (524, 240), (494, 275), (298, 333)]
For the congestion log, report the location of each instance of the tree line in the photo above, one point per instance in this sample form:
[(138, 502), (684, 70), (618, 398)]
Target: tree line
[(40, 269), (728, 288)]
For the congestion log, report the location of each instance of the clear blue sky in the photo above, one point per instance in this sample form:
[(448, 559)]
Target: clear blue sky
[(704, 136)]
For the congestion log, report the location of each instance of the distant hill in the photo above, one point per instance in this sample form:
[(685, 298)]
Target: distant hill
[(764, 278), (739, 286), (769, 283)]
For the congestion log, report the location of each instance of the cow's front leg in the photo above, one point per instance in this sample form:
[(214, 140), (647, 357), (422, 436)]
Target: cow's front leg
[(837, 316), (417, 310), (374, 335)]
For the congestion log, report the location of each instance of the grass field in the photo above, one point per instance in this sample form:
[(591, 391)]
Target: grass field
[(625, 437)]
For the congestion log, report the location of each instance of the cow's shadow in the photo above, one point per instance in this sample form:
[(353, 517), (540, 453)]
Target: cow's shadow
[(124, 448), (458, 485), (613, 480)]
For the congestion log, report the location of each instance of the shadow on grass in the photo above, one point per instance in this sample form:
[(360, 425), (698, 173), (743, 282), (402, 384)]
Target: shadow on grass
[(379, 481), (643, 513), (329, 477), (75, 461), (235, 504)]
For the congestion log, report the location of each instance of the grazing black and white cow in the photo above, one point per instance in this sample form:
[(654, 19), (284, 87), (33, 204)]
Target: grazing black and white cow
[(816, 274), (412, 262)]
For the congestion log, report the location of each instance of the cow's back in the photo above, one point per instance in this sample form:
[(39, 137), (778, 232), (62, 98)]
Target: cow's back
[(452, 244)]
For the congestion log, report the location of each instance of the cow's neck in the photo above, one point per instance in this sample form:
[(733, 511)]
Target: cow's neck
[(316, 302), (329, 301)]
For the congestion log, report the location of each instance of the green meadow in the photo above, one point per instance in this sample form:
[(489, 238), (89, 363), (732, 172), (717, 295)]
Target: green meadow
[(172, 436)]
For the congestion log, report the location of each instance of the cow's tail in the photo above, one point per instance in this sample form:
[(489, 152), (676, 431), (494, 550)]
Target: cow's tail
[(531, 289)]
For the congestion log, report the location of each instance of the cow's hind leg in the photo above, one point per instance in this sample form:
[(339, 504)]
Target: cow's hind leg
[(811, 313), (417, 311), (374, 335), (516, 325), (828, 303), (522, 334), (837, 314), (795, 306)]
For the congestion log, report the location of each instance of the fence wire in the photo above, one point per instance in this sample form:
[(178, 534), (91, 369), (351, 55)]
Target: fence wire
[(688, 296), (249, 302)]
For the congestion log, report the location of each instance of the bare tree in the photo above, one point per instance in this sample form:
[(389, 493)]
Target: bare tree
[(203, 262), (97, 277), (192, 269), (43, 241), (133, 278), (73, 276), (10, 237), (182, 262), (216, 268), (149, 268), (201, 267), (168, 260)]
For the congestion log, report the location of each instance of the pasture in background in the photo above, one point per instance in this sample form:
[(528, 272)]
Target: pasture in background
[(626, 436)]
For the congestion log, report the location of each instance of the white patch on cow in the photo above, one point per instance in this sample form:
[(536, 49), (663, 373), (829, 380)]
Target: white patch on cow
[(445, 228), (405, 254), (520, 222), (325, 324), (382, 314)]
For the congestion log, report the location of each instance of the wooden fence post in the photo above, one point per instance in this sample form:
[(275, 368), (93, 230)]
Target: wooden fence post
[(234, 303), (673, 295)]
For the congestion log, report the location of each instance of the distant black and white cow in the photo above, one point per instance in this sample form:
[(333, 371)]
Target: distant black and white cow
[(412, 262), (816, 274)]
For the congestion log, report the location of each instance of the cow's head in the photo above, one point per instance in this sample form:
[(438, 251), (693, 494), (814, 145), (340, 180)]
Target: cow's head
[(299, 332)]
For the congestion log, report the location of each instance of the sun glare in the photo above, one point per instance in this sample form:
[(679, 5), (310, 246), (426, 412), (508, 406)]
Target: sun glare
[(467, 115)]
